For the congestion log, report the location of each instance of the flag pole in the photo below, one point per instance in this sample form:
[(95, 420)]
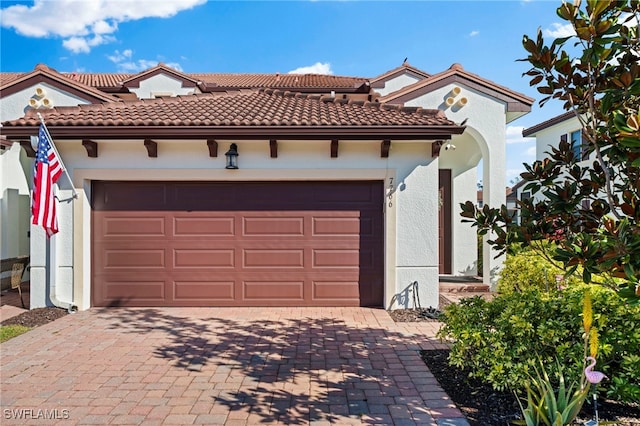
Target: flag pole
[(53, 146)]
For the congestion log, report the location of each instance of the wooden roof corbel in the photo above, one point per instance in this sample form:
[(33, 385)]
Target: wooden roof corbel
[(152, 147), (91, 147)]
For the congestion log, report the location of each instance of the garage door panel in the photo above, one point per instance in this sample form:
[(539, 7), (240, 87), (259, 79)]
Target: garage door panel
[(203, 258), (135, 259), (111, 226), (336, 258), (273, 258), (131, 226), (336, 290), (258, 291), (339, 226), (188, 226), (130, 290), (273, 226), (296, 244), (204, 291)]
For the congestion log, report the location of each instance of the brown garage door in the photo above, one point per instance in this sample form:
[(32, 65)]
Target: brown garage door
[(237, 244)]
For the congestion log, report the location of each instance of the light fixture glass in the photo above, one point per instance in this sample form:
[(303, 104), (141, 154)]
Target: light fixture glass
[(232, 157)]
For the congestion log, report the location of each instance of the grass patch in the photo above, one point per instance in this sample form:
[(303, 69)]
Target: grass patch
[(10, 331)]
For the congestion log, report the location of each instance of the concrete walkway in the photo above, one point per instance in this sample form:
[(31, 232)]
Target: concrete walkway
[(224, 366)]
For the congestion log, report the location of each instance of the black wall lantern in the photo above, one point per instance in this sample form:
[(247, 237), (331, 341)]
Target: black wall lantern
[(232, 157)]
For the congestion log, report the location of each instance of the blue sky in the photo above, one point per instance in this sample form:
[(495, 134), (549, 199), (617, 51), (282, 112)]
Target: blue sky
[(338, 37)]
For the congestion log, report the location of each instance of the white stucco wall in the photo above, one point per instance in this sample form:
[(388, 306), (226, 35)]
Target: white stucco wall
[(16, 105), (14, 201), (17, 171), (397, 83), (161, 85), (463, 164), (550, 136), (411, 218), (465, 241), (484, 138)]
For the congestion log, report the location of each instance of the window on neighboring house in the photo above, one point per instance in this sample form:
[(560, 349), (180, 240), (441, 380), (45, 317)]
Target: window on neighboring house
[(576, 144)]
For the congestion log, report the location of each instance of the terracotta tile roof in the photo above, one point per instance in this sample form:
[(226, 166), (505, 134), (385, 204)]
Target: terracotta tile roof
[(263, 108), (212, 80), (42, 72), (406, 67), (280, 81), (101, 80), (457, 72), (7, 77)]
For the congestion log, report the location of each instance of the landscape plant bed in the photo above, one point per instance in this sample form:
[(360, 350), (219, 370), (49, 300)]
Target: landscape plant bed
[(35, 317), (484, 406)]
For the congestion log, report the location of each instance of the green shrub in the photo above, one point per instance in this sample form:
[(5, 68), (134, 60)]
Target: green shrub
[(500, 341), (528, 268)]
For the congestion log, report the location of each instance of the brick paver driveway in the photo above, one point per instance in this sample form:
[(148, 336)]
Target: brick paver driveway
[(217, 366)]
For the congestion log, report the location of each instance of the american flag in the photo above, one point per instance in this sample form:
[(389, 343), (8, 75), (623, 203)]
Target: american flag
[(47, 172)]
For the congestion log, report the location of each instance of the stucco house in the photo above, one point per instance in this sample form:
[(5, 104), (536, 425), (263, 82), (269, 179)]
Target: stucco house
[(564, 127), (549, 133), (344, 192)]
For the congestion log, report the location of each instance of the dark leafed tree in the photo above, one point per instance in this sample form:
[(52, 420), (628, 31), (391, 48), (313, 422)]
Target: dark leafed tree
[(589, 205)]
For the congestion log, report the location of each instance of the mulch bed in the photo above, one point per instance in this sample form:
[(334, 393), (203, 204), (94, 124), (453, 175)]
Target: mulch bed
[(35, 317), (484, 406)]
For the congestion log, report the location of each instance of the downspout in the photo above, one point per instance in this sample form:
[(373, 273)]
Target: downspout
[(53, 276), (53, 296)]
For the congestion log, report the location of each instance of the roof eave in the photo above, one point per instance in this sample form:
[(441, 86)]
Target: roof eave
[(400, 132), (531, 131)]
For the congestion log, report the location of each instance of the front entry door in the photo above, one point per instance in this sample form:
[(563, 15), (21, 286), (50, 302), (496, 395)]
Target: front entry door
[(444, 222)]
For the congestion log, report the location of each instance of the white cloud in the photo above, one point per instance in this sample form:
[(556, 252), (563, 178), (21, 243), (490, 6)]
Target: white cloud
[(76, 45), (91, 23), (474, 33), (84, 44), (558, 30), (103, 27), (120, 56), (126, 63), (514, 135), (531, 152), (317, 68)]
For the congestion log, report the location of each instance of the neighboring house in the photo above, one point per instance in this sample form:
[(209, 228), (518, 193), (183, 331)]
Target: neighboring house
[(549, 133), (516, 192), (344, 195), (564, 127), (513, 194)]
